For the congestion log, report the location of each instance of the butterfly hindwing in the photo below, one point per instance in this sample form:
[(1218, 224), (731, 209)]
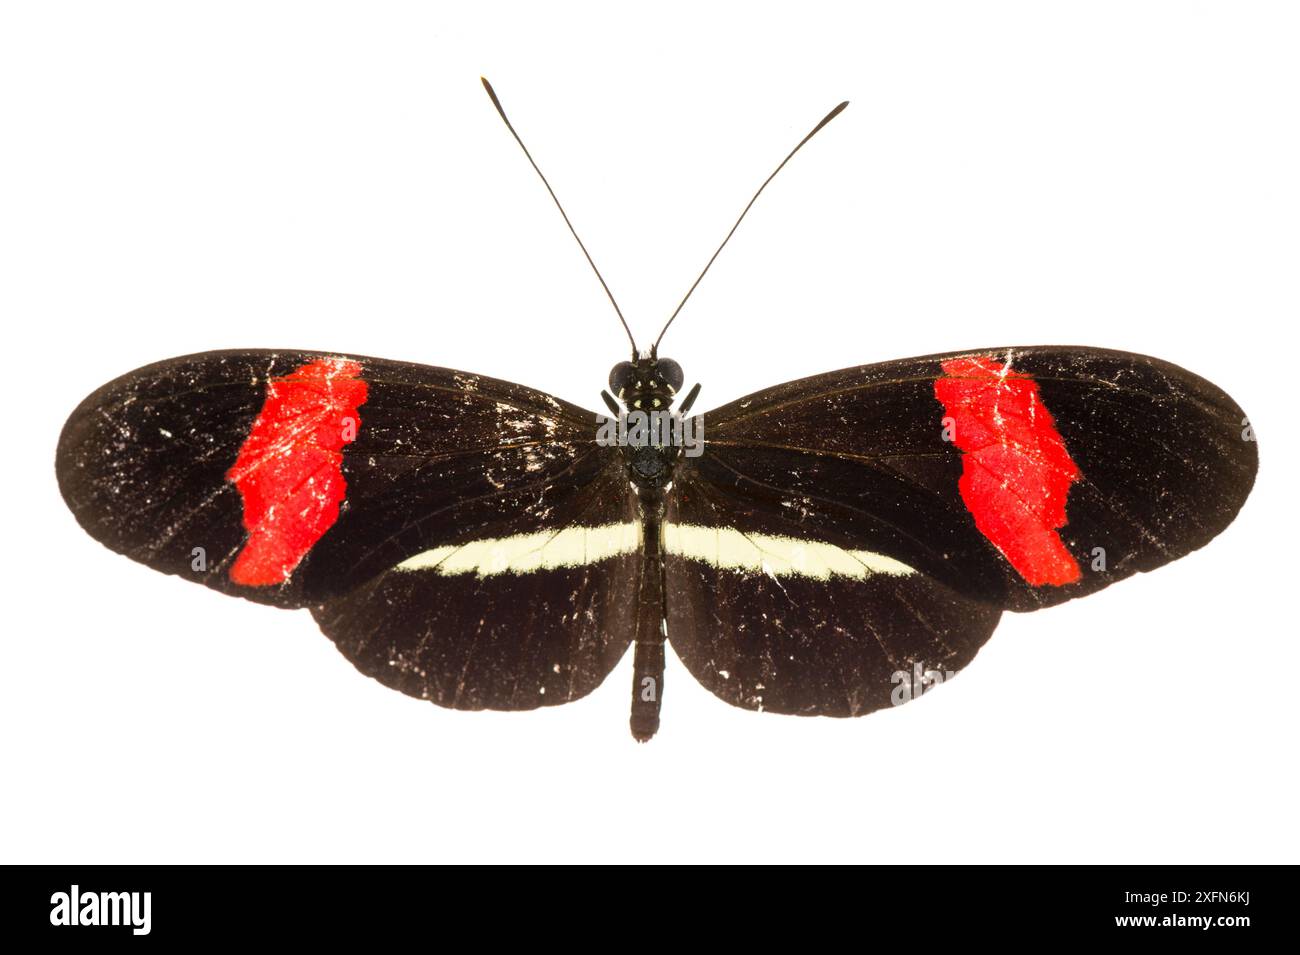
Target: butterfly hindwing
[(508, 623), (795, 625)]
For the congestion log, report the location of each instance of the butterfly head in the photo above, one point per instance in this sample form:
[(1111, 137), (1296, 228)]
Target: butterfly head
[(647, 384)]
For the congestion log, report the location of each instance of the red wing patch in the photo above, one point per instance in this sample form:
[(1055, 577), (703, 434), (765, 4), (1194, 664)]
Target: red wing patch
[(289, 469), (1016, 471)]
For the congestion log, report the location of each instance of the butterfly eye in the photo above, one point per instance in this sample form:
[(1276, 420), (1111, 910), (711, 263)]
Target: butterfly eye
[(620, 376), (671, 374)]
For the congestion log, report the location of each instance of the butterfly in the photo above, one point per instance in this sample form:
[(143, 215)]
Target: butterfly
[(829, 546)]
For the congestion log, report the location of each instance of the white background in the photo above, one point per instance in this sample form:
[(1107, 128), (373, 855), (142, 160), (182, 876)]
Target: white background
[(178, 177)]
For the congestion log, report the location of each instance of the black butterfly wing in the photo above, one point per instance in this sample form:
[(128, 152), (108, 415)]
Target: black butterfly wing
[(966, 483), (504, 624), (301, 479), (795, 625)]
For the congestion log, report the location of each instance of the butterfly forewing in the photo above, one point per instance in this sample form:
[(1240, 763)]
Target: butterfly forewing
[(293, 477), (1018, 477)]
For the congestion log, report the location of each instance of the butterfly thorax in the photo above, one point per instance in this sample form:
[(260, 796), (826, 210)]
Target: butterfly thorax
[(651, 434)]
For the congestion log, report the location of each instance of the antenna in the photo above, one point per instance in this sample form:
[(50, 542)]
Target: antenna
[(826, 119), (497, 103)]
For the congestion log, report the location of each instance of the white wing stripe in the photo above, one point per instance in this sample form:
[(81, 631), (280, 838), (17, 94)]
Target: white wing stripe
[(524, 553), (730, 549), (723, 547)]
